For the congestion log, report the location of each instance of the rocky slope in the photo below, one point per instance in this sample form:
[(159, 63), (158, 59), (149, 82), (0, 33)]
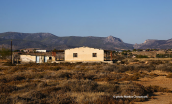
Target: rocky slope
[(155, 44)]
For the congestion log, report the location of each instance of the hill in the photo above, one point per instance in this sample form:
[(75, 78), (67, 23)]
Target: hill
[(50, 41), (155, 44)]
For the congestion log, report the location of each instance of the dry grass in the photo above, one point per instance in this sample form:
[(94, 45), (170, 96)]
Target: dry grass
[(76, 83), (156, 89), (169, 75)]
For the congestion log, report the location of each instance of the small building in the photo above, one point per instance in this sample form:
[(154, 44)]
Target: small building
[(84, 54), (36, 58), (27, 50), (40, 50)]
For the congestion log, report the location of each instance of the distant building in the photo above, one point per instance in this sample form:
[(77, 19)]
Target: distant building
[(40, 51), (27, 50)]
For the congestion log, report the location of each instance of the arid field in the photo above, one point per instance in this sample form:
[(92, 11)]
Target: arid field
[(87, 83)]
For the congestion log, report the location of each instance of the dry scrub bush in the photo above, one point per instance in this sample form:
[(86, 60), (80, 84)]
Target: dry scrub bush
[(136, 68), (169, 75), (108, 77), (22, 77), (132, 88), (164, 67), (78, 85), (117, 77), (41, 84), (64, 99), (133, 68), (91, 86), (153, 75), (133, 60), (156, 62), (37, 95), (8, 78), (109, 88), (5, 88), (64, 75), (57, 93), (109, 68), (121, 69), (56, 68), (78, 76), (10, 70), (106, 99), (8, 63), (74, 75), (151, 89), (134, 77), (4, 99), (111, 100)]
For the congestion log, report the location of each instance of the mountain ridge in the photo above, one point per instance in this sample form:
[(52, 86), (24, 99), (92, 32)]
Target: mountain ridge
[(50, 41), (154, 44)]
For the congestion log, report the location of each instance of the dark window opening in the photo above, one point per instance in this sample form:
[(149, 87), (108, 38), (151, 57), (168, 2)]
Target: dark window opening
[(75, 55), (94, 54)]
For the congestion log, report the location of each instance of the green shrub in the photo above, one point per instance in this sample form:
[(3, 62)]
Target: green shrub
[(141, 56)]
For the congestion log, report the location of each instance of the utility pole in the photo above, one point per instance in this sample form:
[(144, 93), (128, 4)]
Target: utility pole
[(111, 55), (11, 54)]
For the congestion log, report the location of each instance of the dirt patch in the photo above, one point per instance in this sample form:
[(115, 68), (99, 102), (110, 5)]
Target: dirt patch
[(161, 81), (158, 97)]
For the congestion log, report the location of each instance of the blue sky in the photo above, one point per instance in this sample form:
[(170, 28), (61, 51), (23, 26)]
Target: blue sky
[(133, 21)]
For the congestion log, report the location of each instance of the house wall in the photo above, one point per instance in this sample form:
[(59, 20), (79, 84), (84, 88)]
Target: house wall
[(41, 59), (84, 54), (30, 58), (27, 58)]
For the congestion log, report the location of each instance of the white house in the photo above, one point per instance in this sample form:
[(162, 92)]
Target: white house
[(84, 54), (34, 58), (40, 50)]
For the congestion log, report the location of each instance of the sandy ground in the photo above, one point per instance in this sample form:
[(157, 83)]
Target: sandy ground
[(158, 97), (161, 81)]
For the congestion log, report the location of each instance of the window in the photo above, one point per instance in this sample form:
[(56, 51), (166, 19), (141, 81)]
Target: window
[(94, 54), (75, 55)]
